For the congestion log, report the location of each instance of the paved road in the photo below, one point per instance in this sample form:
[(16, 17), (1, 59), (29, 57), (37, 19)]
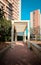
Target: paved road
[(19, 54)]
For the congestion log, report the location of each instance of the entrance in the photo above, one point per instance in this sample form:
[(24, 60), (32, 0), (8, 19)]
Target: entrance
[(20, 26), (19, 38)]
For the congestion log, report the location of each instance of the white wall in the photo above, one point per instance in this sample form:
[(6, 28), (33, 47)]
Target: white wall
[(19, 9), (31, 19)]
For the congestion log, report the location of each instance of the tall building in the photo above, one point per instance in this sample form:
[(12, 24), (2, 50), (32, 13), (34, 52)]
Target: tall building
[(12, 9), (35, 19), (40, 26)]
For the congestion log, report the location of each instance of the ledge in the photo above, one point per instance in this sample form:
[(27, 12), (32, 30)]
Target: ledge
[(36, 46), (36, 49)]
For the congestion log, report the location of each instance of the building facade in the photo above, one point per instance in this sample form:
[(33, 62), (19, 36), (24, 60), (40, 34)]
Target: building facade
[(35, 19), (12, 9), (40, 26)]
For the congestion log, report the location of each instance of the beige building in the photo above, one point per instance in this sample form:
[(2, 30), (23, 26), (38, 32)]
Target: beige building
[(40, 26), (12, 9), (35, 18)]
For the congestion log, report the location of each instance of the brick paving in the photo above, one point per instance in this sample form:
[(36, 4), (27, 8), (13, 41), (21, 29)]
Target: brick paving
[(19, 54)]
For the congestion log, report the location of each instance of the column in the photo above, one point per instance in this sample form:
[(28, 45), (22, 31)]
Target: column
[(12, 31), (16, 37), (24, 37), (28, 34), (28, 30)]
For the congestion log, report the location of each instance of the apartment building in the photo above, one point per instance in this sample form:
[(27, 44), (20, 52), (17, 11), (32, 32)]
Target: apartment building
[(35, 18), (12, 9), (40, 26)]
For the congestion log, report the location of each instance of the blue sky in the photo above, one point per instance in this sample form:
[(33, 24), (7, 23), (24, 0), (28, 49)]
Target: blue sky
[(28, 6)]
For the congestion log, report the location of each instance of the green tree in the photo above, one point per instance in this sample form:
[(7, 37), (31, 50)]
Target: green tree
[(5, 27), (1, 12)]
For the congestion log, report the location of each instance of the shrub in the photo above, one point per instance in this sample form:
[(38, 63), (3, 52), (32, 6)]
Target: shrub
[(5, 29)]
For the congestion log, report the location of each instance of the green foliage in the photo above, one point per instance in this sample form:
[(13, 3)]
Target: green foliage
[(5, 29), (1, 12)]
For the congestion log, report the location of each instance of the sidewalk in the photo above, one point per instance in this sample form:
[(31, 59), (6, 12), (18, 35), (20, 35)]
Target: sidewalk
[(19, 54)]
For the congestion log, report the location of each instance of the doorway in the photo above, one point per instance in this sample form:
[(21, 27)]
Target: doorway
[(19, 38)]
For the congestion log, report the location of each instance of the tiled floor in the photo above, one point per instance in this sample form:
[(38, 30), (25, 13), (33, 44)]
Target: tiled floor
[(19, 54)]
